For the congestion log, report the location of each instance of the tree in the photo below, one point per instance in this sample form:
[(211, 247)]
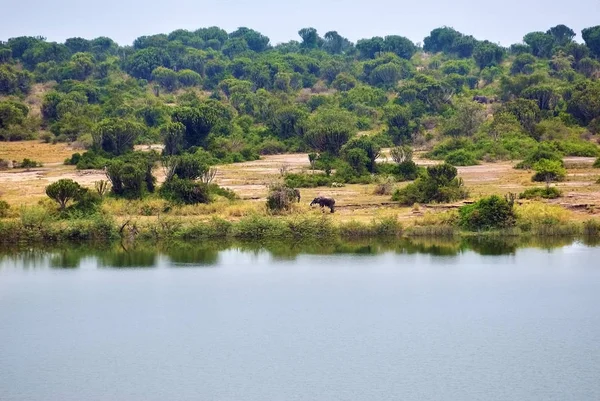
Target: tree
[(487, 54), (310, 38), (369, 48), (466, 120), (441, 39), (165, 77), (172, 134), (523, 64), (526, 111), (591, 37), (328, 129), (400, 126), (78, 45), (116, 136), (371, 149), (584, 104), (541, 43), (63, 191), (400, 46), (201, 121), (255, 41), (334, 43), (562, 34), (287, 122), (12, 113), (142, 63), (81, 65)]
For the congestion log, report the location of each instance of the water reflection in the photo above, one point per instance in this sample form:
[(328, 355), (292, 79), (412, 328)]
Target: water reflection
[(206, 253)]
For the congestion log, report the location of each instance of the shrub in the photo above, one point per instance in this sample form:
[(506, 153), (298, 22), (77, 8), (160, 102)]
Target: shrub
[(493, 212), (548, 171), (224, 192), (542, 152), (596, 163), (28, 163), (439, 184), (131, 175), (73, 160), (281, 197), (461, 157), (401, 154), (185, 191), (4, 206), (63, 191), (384, 186), (89, 161), (545, 193), (190, 167)]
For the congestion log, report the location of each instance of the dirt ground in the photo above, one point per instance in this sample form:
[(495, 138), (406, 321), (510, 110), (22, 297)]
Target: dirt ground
[(250, 181)]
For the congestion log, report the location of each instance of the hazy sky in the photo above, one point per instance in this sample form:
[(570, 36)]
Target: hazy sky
[(504, 21)]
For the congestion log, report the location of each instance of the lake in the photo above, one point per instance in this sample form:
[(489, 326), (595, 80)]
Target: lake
[(367, 321)]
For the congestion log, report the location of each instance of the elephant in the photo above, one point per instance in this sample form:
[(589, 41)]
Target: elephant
[(323, 201)]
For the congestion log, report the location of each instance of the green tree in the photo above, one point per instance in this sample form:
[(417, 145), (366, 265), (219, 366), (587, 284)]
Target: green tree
[(562, 34), (591, 37), (328, 129), (63, 191), (398, 121), (310, 38), (548, 171), (166, 78), (200, 121), (541, 43), (489, 213), (400, 46), (487, 54), (116, 136), (370, 147)]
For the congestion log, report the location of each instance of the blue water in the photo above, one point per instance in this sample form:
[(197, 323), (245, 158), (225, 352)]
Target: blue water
[(249, 326)]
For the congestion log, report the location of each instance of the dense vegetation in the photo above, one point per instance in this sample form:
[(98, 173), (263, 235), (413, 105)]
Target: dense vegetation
[(216, 97), (236, 95)]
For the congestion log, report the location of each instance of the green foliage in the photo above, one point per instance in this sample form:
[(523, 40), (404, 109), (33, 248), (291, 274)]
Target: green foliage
[(116, 136), (63, 191), (596, 163), (327, 130), (28, 163), (548, 171), (185, 191), (131, 175), (541, 192), (489, 213), (308, 180), (439, 184), (461, 157), (4, 208), (541, 152)]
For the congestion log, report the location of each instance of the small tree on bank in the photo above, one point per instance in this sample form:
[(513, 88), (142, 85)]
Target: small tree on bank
[(63, 191)]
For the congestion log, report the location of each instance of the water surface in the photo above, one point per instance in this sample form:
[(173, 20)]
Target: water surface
[(419, 322)]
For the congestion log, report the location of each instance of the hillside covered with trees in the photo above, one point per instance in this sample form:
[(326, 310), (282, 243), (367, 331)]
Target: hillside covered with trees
[(220, 97)]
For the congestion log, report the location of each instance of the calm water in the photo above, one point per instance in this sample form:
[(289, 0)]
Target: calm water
[(395, 322)]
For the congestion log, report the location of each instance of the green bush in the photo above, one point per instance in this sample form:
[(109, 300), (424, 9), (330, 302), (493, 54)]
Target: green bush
[(461, 157), (28, 163), (548, 171), (404, 171), (185, 191), (88, 161), (4, 207), (596, 163), (131, 175), (439, 184), (539, 192), (63, 191), (489, 213), (542, 152)]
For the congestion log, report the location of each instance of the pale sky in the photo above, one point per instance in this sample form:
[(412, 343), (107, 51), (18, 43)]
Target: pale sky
[(504, 22)]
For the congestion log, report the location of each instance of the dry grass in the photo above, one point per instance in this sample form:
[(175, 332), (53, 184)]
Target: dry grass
[(250, 181)]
